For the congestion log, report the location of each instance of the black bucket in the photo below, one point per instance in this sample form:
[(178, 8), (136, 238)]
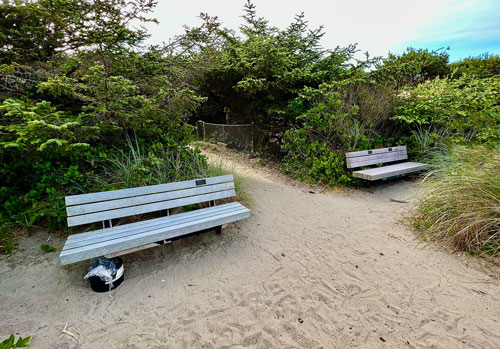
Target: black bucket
[(99, 285)]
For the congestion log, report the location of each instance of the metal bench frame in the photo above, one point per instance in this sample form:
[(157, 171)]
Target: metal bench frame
[(382, 156), (111, 205)]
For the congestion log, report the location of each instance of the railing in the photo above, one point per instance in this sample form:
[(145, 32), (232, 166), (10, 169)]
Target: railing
[(238, 136)]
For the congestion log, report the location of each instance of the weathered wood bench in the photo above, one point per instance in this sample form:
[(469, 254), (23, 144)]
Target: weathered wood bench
[(382, 156), (106, 206)]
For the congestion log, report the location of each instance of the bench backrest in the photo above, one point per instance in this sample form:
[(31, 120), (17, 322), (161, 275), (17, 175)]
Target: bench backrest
[(96, 207), (375, 156)]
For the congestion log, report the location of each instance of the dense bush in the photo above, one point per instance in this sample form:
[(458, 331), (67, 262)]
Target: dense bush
[(463, 110), (483, 66), (411, 68), (315, 148), (461, 200), (71, 97), (253, 75)]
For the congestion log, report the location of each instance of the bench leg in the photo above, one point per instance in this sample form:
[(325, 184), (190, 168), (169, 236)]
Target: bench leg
[(218, 230)]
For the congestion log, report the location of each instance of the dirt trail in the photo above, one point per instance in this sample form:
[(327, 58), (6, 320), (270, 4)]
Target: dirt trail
[(307, 270)]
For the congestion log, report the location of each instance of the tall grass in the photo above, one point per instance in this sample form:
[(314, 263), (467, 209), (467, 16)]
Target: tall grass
[(7, 237), (219, 166), (141, 166), (460, 205)]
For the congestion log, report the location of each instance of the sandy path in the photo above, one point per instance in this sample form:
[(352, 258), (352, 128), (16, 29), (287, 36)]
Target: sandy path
[(306, 270)]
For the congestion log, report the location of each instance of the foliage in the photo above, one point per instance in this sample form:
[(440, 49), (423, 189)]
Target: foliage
[(484, 66), (48, 248), (7, 238), (253, 76), (220, 167), (75, 82), (459, 205), (413, 67), (36, 31), (11, 342), (467, 109), (156, 164), (315, 150)]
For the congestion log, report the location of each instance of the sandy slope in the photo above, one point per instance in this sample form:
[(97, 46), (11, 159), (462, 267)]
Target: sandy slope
[(306, 270)]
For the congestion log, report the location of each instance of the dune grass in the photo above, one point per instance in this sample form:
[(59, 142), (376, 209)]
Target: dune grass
[(148, 166), (220, 167), (460, 204)]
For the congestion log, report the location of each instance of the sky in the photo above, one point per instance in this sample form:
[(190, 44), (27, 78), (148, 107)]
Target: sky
[(467, 27)]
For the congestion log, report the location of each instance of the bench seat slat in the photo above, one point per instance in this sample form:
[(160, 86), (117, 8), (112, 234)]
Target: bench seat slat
[(143, 223), (141, 209), (152, 189), (118, 244), (389, 171), (129, 229)]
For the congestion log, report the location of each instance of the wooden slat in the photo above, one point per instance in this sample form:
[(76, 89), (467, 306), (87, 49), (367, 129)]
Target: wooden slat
[(166, 222), (152, 189), (150, 222), (132, 229), (374, 151), (141, 209), (146, 199), (376, 159), (120, 244), (389, 171)]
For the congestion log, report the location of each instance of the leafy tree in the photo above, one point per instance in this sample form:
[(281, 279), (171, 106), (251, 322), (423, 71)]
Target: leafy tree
[(254, 75), (483, 66), (464, 110), (36, 31), (72, 99), (413, 67)]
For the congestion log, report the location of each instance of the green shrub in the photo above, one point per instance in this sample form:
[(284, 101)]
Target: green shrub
[(62, 116), (483, 66), (315, 150), (48, 248), (411, 68), (11, 342), (157, 164), (138, 166), (466, 109), (460, 203), (7, 238)]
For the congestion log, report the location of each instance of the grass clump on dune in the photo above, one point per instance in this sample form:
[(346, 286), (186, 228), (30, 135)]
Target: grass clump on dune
[(460, 205), (142, 166), (219, 167)]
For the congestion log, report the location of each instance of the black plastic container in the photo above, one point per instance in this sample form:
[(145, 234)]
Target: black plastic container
[(99, 285)]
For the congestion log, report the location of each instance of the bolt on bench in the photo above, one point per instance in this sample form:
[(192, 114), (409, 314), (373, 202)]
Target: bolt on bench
[(381, 156), (113, 241)]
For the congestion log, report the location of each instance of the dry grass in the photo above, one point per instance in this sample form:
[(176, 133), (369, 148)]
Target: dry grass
[(460, 204), (220, 167)]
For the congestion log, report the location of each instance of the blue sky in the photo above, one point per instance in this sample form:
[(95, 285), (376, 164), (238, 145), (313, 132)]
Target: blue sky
[(468, 27)]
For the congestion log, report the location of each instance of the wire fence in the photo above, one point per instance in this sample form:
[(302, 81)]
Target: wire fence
[(241, 137)]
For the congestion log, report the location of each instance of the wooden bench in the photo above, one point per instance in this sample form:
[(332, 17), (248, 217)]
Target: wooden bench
[(116, 240), (382, 156)]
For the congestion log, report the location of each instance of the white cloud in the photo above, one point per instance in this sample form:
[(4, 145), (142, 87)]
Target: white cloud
[(377, 26)]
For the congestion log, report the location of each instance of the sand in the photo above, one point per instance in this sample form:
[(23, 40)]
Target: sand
[(307, 270)]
